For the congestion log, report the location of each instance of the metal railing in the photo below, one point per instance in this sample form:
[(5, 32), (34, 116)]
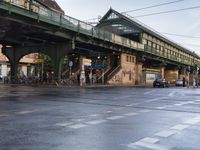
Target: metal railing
[(157, 52), (113, 72), (37, 11), (67, 22)]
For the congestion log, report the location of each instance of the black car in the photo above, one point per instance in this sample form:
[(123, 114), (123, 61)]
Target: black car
[(160, 83)]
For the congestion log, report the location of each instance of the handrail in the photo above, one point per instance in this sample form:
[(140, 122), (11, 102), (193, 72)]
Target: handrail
[(109, 76), (46, 15), (68, 22), (154, 51)]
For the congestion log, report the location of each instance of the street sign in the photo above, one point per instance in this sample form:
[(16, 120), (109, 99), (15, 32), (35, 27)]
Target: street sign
[(70, 63), (98, 66)]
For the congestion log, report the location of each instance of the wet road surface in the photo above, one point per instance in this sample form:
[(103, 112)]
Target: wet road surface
[(41, 118)]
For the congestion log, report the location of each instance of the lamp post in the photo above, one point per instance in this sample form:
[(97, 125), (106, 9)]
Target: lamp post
[(188, 85), (197, 82)]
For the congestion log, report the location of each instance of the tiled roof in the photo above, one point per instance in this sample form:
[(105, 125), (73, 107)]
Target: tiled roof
[(51, 4)]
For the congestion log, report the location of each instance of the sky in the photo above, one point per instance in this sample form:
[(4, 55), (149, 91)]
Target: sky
[(182, 22)]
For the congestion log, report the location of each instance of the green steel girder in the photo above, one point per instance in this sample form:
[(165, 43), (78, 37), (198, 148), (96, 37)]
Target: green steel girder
[(99, 37)]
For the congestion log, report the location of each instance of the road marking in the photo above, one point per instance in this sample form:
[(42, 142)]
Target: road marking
[(144, 111), (188, 102), (172, 94), (166, 133), (147, 145), (130, 114), (197, 118), (178, 104), (192, 121), (154, 99), (96, 122), (115, 117), (179, 127), (77, 126), (24, 112), (130, 105), (117, 108), (191, 102), (109, 111), (197, 103), (150, 140), (161, 107), (3, 115), (149, 92), (78, 120), (93, 115), (64, 124)]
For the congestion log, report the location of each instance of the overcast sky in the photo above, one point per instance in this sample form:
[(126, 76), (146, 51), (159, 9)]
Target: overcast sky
[(182, 22)]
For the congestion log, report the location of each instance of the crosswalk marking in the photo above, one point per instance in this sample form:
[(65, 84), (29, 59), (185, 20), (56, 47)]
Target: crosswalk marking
[(77, 126), (192, 121), (147, 145), (172, 94), (96, 122), (3, 115), (115, 117), (166, 133), (144, 111), (64, 124), (150, 140), (130, 114), (24, 112), (179, 127)]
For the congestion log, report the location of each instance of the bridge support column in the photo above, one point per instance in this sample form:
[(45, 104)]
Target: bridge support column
[(14, 71), (55, 51), (172, 75), (57, 68), (162, 72), (13, 57), (57, 54), (139, 75)]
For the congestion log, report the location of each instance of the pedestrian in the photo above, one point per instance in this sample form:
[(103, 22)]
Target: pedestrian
[(90, 78), (78, 78), (197, 82), (183, 81), (94, 78), (194, 82)]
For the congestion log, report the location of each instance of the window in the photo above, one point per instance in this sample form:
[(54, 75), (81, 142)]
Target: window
[(127, 58), (130, 76), (144, 41), (133, 59), (154, 45), (149, 43)]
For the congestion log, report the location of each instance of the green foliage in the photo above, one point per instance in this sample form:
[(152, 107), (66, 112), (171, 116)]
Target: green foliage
[(47, 63)]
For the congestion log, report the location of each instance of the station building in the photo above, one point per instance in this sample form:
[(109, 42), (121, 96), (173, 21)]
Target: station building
[(165, 58)]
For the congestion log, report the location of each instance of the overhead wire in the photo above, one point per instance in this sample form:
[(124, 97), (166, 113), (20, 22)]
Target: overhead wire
[(153, 6), (165, 12), (143, 8), (180, 35)]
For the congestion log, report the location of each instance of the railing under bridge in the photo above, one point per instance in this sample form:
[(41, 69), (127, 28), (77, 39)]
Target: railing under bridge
[(38, 12)]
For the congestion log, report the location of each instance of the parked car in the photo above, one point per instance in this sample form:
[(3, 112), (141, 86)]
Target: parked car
[(160, 83), (179, 82)]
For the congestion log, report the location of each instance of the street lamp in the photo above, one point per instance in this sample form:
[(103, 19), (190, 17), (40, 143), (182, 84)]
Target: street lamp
[(188, 76)]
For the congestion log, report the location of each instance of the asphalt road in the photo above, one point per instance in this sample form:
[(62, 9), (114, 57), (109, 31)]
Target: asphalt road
[(41, 118)]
